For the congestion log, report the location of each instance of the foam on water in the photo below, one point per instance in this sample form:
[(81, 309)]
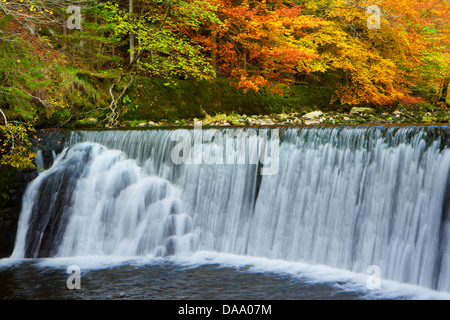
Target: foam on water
[(340, 279)]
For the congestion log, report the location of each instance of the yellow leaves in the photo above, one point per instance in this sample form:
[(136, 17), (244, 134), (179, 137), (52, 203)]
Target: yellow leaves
[(254, 83), (22, 159), (17, 149), (370, 65)]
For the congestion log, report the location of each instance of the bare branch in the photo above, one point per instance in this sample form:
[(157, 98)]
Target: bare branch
[(10, 131)]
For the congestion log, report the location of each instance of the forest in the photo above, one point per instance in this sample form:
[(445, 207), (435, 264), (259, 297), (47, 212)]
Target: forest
[(83, 63)]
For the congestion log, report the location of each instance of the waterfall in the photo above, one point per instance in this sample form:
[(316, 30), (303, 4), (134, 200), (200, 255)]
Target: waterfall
[(95, 201), (345, 197)]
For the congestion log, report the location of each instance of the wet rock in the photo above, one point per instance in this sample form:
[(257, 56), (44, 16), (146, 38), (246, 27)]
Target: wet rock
[(13, 183)]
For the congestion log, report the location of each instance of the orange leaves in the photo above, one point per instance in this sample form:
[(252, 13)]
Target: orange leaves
[(373, 65), (258, 42), (264, 43), (253, 82), (271, 43)]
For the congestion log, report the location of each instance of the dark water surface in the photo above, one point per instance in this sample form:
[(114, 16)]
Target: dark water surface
[(165, 281)]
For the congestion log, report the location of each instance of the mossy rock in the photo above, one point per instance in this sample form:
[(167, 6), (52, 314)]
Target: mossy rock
[(87, 123)]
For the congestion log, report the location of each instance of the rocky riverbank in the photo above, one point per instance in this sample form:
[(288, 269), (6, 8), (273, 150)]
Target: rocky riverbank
[(355, 116)]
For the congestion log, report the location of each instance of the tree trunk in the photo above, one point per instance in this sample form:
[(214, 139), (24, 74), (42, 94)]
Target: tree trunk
[(131, 32), (64, 24), (214, 53), (443, 97)]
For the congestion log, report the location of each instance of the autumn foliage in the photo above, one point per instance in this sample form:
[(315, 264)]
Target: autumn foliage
[(262, 44), (395, 54), (258, 43), (380, 53)]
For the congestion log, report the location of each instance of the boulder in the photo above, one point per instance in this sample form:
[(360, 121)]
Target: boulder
[(312, 122), (356, 110), (89, 122), (313, 115)]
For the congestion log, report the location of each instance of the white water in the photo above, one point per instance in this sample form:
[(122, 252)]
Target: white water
[(346, 198), (114, 209)]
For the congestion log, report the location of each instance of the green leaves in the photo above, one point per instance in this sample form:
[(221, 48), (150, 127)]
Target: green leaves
[(161, 36)]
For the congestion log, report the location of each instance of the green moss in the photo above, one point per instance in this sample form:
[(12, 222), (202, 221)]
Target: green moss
[(42, 89), (157, 99)]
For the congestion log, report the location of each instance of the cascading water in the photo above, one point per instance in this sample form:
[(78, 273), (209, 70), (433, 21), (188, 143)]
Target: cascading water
[(95, 201), (344, 197)]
